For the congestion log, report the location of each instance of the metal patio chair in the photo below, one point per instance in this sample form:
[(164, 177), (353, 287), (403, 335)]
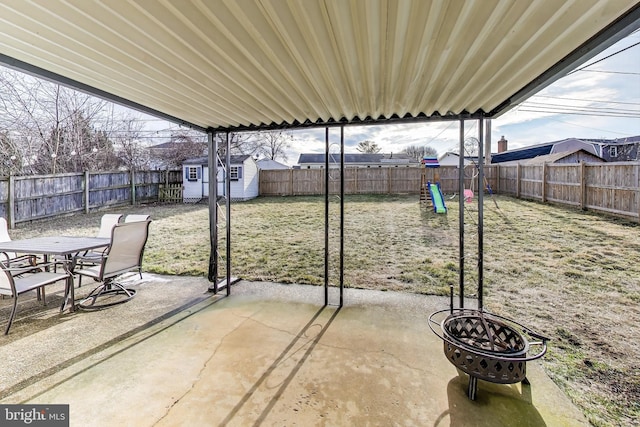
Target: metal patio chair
[(124, 254), (136, 217), (11, 258), (15, 281), (92, 257)]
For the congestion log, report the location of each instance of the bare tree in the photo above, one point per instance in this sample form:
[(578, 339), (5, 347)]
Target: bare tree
[(10, 156), (184, 144), (419, 152), (240, 143), (274, 144), (74, 146), (125, 134), (470, 147), (368, 147), (62, 130)]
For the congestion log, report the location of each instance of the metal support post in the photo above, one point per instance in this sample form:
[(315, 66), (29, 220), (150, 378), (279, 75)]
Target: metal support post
[(326, 218), (481, 183), (213, 210), (228, 210), (461, 213), (341, 215)]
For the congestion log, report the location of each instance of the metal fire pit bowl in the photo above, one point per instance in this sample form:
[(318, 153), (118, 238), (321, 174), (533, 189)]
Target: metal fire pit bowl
[(486, 346)]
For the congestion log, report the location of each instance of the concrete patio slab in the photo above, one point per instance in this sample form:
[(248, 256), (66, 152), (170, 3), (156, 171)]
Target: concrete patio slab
[(271, 354)]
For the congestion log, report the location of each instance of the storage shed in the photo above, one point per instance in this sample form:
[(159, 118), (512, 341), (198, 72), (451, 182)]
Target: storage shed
[(243, 172)]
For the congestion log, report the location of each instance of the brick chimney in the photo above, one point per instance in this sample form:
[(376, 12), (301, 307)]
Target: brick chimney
[(502, 145)]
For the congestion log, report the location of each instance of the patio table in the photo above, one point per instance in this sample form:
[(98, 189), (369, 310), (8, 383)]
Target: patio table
[(65, 246)]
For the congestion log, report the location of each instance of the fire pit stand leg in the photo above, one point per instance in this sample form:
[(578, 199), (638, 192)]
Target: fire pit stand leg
[(473, 387)]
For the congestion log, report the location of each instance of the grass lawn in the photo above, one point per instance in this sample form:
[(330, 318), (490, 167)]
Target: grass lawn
[(571, 275)]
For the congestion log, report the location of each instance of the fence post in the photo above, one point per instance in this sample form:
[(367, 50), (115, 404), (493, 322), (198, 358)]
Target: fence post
[(11, 205), (388, 180), (544, 182), (497, 179), (86, 192), (355, 187), (638, 187), (583, 185), (291, 182), (133, 186), (518, 178)]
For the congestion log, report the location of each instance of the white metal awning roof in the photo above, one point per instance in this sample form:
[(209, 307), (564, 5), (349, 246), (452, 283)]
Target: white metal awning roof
[(268, 63)]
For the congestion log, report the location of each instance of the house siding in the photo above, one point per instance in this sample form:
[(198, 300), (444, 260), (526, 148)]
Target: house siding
[(250, 180), (626, 152)]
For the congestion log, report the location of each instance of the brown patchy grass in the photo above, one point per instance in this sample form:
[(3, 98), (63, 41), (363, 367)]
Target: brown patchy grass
[(569, 274)]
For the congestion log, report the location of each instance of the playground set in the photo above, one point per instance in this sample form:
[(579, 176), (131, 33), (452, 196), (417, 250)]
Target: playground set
[(430, 192)]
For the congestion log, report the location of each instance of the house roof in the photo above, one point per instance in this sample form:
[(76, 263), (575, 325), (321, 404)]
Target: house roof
[(356, 158), (269, 164), (522, 153), (265, 64), (235, 160), (451, 153), (164, 145), (554, 157), (621, 141), (562, 146)]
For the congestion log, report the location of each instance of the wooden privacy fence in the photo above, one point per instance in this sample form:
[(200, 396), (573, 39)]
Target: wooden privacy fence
[(612, 188), (400, 180), (25, 198)]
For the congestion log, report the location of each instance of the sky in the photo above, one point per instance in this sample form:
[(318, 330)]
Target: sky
[(610, 88)]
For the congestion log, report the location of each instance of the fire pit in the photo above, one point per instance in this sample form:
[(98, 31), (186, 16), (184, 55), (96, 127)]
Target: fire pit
[(486, 346)]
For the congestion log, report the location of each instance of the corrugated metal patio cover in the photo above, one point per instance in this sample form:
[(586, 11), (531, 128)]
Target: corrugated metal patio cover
[(247, 63)]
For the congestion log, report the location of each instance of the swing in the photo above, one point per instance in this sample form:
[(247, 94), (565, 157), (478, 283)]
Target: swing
[(468, 195), (468, 192)]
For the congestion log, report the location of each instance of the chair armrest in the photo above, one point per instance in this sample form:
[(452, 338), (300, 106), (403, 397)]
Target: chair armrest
[(92, 255), (16, 271), (20, 259)]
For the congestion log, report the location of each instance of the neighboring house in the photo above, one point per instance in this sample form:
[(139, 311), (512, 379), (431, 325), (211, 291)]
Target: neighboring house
[(453, 159), (358, 160), (575, 156), (565, 145), (269, 165), (618, 150), (243, 172)]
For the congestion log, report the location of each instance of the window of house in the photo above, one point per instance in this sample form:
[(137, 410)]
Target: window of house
[(613, 151), (235, 173), (192, 173)]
